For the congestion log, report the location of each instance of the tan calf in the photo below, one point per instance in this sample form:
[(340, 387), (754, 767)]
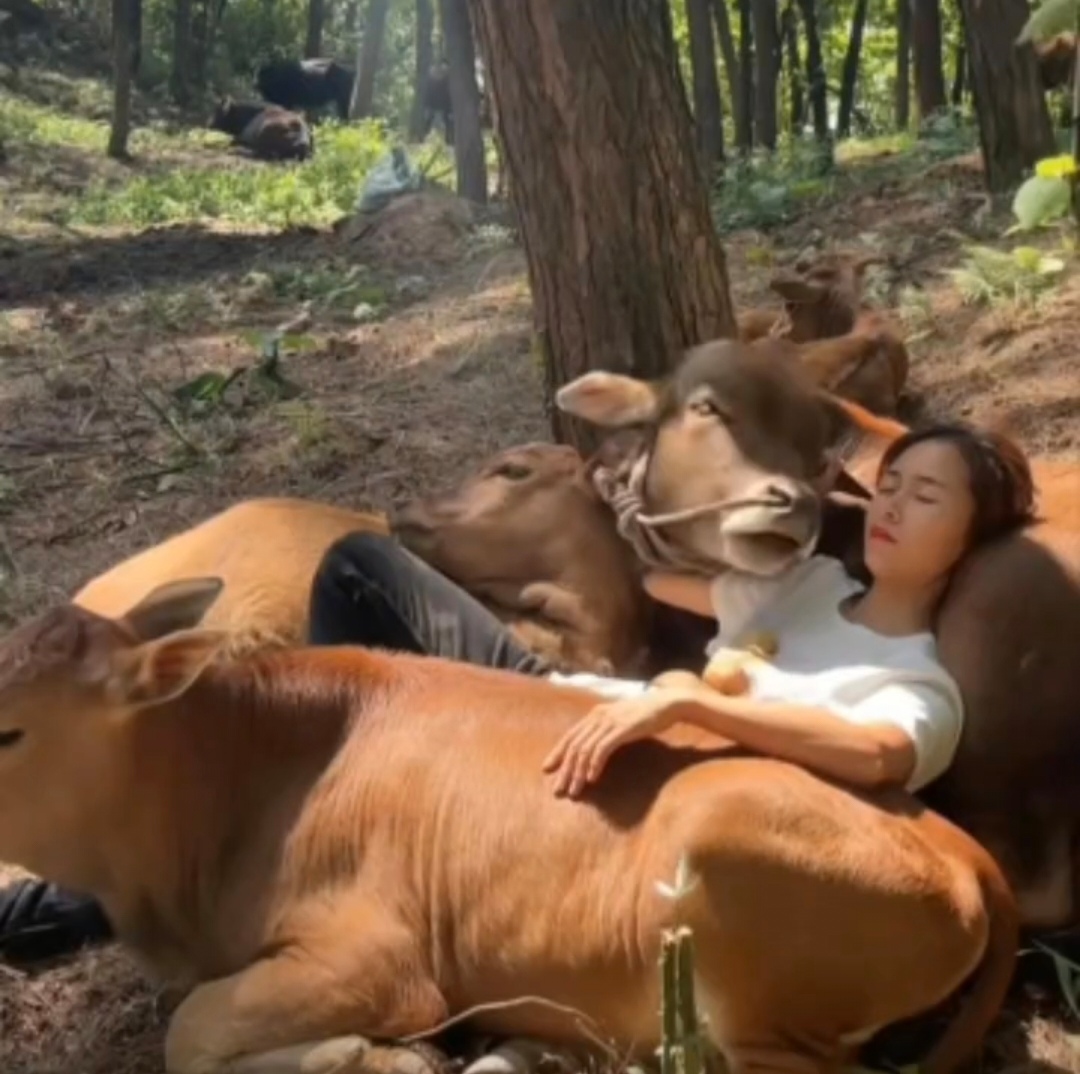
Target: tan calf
[(333, 844)]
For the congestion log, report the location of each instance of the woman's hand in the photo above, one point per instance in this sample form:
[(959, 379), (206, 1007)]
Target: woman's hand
[(580, 755)]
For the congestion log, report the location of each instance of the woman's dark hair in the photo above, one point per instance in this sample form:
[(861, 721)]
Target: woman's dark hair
[(1001, 480)]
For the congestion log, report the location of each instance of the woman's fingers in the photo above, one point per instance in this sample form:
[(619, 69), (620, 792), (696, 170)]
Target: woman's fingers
[(575, 765)]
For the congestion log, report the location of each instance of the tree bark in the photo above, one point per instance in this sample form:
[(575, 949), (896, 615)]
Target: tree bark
[(368, 54), (767, 62), (850, 78), (425, 55), (926, 45), (708, 120), (817, 87), (959, 75), (180, 78), (744, 122), (789, 31), (1014, 124), (731, 58), (903, 64), (464, 100), (316, 19), (125, 22), (625, 265)]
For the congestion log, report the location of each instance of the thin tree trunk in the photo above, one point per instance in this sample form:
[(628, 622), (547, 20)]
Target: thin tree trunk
[(959, 75), (767, 63), (464, 100), (179, 81), (817, 86), (850, 76), (926, 45), (789, 29), (425, 55), (708, 120), (316, 19), (731, 58), (903, 64), (1014, 124), (368, 54), (624, 262), (125, 21), (744, 125)]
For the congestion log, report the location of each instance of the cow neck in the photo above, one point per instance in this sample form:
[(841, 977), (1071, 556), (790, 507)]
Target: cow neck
[(225, 770)]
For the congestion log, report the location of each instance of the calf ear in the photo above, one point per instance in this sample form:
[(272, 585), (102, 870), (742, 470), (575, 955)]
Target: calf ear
[(609, 399), (161, 670), (793, 288), (172, 606)]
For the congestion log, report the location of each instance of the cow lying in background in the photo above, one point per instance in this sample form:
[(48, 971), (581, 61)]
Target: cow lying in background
[(309, 85), (849, 349), (266, 131), (309, 851)]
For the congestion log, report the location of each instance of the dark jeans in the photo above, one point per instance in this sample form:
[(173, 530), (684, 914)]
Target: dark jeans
[(367, 591)]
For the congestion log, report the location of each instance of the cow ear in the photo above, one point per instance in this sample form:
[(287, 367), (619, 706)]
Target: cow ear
[(161, 670), (609, 399), (173, 606)]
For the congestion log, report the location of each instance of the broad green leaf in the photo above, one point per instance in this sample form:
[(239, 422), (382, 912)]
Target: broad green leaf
[(1040, 200), (1060, 167), (1050, 18)]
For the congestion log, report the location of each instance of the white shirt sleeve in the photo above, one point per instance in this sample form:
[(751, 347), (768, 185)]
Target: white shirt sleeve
[(930, 714)]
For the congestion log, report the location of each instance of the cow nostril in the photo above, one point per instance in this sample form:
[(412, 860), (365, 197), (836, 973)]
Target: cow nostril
[(783, 497)]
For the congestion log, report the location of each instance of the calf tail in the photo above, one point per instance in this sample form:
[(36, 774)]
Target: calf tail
[(964, 1034)]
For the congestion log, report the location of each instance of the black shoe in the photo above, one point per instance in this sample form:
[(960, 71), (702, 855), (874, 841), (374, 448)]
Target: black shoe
[(40, 921)]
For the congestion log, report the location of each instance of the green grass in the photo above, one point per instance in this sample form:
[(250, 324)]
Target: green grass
[(279, 195)]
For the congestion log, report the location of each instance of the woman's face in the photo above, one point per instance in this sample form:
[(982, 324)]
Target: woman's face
[(919, 519)]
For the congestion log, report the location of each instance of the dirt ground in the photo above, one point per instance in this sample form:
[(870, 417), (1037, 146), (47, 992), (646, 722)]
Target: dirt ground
[(398, 387)]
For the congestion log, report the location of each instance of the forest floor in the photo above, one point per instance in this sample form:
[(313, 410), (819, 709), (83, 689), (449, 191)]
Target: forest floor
[(131, 294)]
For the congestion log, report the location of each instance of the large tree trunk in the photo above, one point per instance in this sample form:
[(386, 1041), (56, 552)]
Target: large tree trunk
[(425, 28), (817, 87), (368, 54), (126, 19), (744, 121), (625, 266), (926, 43), (180, 78), (850, 77), (464, 100), (708, 120), (767, 73), (903, 64), (316, 19), (726, 40), (1014, 125)]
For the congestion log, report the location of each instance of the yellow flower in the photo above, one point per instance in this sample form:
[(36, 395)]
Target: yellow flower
[(1056, 167)]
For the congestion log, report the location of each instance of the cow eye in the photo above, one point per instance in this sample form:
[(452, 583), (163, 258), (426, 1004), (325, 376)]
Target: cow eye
[(10, 738), (513, 471), (709, 408)]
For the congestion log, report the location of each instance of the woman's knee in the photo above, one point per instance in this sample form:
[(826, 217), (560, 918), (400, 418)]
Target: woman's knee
[(360, 556)]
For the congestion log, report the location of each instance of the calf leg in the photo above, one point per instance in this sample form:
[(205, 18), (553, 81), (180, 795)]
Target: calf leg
[(302, 1010)]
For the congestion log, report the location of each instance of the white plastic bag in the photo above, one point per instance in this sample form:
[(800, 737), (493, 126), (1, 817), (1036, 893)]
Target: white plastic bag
[(393, 175)]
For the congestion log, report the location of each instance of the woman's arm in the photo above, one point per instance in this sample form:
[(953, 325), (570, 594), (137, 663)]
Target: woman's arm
[(687, 591), (902, 734), (866, 755)]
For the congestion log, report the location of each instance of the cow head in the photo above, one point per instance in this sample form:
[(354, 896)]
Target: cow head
[(822, 295), (739, 449), (69, 682)]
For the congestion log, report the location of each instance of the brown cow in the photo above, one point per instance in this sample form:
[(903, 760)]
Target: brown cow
[(525, 533), (822, 298), (310, 852)]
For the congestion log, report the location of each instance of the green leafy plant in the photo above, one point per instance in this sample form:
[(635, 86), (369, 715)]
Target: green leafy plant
[(1019, 275)]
